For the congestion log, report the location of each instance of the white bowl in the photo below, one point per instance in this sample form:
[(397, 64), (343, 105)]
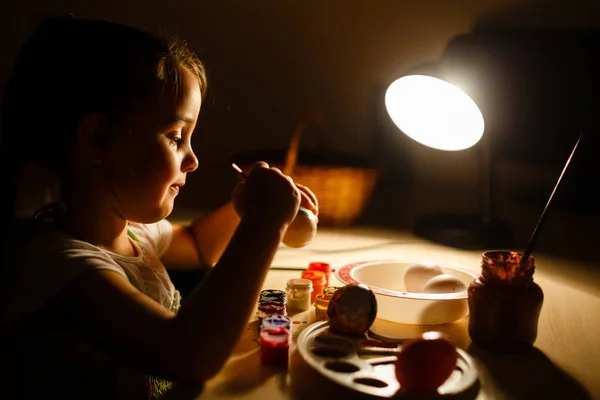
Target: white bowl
[(394, 303)]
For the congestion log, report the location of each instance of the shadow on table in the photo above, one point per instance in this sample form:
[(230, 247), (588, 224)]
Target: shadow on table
[(244, 372), (239, 376), (531, 375)]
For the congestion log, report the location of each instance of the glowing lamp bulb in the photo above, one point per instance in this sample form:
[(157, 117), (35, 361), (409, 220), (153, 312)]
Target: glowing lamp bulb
[(434, 112)]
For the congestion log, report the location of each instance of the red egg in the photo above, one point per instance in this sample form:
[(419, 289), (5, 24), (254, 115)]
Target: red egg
[(425, 363)]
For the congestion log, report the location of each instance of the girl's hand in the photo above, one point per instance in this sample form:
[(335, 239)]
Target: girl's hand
[(268, 195), (308, 199)]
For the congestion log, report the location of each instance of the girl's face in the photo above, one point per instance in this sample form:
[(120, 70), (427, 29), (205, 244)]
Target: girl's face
[(149, 155)]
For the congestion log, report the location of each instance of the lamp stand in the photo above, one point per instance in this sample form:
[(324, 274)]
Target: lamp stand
[(465, 231), (470, 231)]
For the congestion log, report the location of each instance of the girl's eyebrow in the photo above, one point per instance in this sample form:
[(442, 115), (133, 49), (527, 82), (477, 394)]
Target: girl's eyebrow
[(182, 118)]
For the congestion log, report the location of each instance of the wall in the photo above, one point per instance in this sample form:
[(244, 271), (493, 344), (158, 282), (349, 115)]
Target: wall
[(271, 60)]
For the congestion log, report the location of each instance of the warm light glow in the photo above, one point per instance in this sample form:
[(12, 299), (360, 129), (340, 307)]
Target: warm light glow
[(434, 112)]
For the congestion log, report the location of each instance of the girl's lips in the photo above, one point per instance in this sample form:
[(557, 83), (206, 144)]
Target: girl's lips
[(175, 188)]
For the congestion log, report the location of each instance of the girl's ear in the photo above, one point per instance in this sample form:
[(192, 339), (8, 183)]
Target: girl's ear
[(92, 138)]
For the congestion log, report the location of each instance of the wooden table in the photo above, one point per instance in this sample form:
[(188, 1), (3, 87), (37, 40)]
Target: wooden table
[(564, 365)]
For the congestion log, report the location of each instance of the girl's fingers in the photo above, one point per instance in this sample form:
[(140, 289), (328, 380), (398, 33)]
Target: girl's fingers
[(308, 199)]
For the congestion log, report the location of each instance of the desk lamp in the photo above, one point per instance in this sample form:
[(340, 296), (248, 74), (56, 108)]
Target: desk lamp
[(439, 115)]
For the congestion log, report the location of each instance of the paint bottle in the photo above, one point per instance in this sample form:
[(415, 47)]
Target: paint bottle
[(323, 267), (318, 282), (271, 302), (298, 294), (274, 347), (322, 303), (275, 322)]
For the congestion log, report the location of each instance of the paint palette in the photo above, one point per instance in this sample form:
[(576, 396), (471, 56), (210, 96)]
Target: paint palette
[(368, 366)]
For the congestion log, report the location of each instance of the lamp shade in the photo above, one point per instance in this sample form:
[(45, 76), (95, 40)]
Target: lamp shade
[(434, 112)]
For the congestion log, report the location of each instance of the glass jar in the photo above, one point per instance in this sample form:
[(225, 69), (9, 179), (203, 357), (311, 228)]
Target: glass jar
[(504, 303), (298, 294)]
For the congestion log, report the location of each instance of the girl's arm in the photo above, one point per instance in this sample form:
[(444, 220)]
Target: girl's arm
[(192, 345), (203, 242)]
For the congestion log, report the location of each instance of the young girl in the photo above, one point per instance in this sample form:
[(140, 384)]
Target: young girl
[(89, 310)]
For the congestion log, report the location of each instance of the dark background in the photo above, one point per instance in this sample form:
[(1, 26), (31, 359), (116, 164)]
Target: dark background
[(272, 61)]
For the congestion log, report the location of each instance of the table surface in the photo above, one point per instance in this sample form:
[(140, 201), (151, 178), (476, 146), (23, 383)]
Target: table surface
[(564, 364)]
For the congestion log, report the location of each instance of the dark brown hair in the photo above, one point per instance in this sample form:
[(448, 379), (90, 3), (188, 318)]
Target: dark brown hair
[(72, 67)]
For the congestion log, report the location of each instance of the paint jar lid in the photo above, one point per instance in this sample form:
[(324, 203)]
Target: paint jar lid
[(319, 266), (272, 296), (276, 321), (299, 284), (317, 277), (330, 290)]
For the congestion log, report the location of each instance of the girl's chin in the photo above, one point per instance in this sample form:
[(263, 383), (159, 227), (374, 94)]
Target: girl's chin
[(159, 213), (166, 210)]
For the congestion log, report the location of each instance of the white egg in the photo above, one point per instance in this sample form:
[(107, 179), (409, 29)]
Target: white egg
[(302, 230), (416, 276), (444, 283)]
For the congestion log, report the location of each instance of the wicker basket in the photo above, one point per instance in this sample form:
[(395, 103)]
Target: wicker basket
[(343, 192), (343, 184)]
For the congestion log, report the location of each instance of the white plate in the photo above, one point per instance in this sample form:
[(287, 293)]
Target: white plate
[(386, 279)]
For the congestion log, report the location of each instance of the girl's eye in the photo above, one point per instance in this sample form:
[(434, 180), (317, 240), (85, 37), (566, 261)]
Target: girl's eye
[(177, 140)]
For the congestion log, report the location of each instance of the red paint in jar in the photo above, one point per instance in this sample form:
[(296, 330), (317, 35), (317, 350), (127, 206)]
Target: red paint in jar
[(504, 303), (274, 347)]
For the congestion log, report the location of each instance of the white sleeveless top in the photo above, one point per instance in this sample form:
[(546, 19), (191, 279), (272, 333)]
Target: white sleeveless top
[(68, 364)]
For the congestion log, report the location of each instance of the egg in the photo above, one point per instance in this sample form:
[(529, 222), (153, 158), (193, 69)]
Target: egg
[(424, 363), (416, 276), (302, 230), (444, 283), (352, 310)]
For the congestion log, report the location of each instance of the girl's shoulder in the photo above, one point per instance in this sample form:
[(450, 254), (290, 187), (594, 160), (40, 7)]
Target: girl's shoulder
[(158, 235), (36, 269), (60, 249)]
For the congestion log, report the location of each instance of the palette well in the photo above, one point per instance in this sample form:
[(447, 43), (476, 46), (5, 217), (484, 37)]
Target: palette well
[(369, 366)]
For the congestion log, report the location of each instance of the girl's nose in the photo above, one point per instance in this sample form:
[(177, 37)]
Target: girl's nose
[(190, 162)]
